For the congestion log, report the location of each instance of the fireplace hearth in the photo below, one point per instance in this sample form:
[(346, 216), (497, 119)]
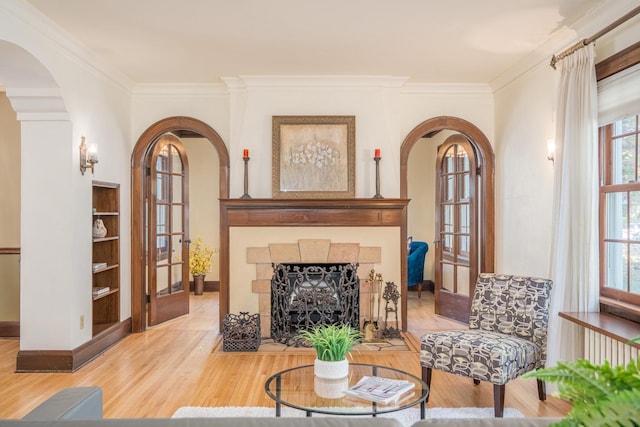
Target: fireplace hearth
[(304, 296)]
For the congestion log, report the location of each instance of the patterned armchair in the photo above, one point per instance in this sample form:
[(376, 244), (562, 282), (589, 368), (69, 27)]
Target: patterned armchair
[(507, 335)]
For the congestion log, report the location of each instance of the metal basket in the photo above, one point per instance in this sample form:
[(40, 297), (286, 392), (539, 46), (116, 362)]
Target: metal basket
[(241, 332)]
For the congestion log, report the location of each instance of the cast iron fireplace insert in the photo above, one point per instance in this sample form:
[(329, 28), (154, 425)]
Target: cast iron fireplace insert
[(307, 295)]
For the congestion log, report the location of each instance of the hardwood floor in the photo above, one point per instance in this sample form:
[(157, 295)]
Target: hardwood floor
[(154, 373)]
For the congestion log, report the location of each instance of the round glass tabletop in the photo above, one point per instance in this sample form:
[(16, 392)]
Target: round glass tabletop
[(299, 388)]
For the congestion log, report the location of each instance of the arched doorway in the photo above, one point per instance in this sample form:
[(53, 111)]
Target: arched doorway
[(482, 147), (139, 156)]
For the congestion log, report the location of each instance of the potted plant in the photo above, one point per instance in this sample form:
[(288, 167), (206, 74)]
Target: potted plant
[(332, 344), (200, 260), (602, 395)]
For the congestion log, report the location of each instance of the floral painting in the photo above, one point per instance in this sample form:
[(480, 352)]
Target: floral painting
[(313, 156)]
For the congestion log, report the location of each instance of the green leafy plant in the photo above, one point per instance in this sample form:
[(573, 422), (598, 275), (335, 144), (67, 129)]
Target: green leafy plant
[(331, 342), (602, 395)]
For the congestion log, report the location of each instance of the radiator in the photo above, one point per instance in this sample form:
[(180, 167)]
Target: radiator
[(598, 348)]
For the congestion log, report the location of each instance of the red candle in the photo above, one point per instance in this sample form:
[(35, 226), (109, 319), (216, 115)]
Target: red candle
[(377, 153), (245, 153)]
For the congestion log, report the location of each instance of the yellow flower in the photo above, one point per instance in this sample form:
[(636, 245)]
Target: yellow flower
[(200, 258)]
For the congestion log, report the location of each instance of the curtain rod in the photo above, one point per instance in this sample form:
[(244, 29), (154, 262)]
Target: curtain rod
[(584, 42)]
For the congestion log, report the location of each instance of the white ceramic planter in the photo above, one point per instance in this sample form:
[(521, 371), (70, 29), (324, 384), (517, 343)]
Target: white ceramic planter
[(331, 370)]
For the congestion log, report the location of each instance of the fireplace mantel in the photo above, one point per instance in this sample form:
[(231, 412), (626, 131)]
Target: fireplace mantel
[(308, 213), (313, 212)]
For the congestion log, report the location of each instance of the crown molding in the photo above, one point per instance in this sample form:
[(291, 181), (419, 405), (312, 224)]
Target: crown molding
[(446, 88), (197, 90), (38, 104), (313, 81)]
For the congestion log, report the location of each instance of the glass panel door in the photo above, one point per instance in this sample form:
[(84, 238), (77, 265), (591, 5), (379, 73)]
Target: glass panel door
[(168, 267), (456, 228)]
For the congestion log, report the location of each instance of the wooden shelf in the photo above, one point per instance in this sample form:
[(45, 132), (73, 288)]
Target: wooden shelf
[(106, 294), (105, 239), (106, 206), (107, 268)]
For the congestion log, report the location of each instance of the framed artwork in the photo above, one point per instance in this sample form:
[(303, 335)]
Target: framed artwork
[(313, 157)]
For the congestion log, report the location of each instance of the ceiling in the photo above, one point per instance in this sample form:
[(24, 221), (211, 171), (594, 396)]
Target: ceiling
[(200, 41)]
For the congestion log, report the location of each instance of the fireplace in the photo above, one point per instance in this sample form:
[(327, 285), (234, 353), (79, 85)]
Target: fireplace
[(304, 296)]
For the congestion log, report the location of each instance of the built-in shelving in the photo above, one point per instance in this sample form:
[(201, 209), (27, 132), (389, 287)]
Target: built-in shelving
[(106, 250)]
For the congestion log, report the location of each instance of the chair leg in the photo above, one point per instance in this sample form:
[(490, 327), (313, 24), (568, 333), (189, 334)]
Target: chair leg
[(426, 377), (542, 390), (498, 400), (419, 289)]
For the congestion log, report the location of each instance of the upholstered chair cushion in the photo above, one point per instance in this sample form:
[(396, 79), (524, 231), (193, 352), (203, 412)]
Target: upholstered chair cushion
[(481, 355)]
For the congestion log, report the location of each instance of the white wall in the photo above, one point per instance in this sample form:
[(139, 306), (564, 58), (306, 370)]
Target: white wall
[(60, 96), (524, 176)]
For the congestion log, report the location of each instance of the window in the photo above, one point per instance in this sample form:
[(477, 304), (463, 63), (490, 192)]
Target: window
[(620, 210)]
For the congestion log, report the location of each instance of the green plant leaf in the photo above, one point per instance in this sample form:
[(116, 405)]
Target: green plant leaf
[(331, 342), (602, 395)]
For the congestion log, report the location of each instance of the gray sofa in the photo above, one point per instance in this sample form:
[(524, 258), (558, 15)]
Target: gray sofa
[(82, 406)]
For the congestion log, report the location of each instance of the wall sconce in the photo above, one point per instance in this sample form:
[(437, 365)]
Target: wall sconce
[(88, 156), (551, 150)]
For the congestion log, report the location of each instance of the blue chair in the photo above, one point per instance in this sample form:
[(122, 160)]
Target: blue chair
[(415, 264)]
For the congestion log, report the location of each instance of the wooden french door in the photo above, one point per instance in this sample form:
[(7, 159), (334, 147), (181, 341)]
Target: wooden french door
[(456, 247), (167, 231)]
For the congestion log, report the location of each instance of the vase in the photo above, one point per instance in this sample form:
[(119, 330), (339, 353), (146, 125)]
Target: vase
[(198, 284), (331, 370), (99, 230)]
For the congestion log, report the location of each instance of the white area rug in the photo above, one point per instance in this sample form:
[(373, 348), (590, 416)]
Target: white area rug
[(407, 416)]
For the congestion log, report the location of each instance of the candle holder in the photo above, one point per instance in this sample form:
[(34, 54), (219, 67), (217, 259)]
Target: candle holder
[(246, 178), (378, 195)]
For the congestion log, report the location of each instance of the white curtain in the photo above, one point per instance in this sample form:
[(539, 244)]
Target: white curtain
[(574, 247)]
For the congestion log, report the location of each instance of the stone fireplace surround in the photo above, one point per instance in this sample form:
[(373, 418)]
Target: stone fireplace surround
[(309, 251)]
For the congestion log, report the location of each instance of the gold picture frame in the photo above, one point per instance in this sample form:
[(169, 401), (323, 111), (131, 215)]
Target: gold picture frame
[(313, 157)]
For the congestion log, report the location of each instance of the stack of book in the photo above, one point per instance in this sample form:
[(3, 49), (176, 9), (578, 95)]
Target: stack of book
[(97, 291), (381, 390)]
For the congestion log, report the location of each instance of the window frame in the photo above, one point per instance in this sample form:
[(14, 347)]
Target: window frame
[(607, 186), (614, 299)]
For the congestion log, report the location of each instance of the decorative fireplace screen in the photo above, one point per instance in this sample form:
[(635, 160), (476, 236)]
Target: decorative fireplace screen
[(307, 295)]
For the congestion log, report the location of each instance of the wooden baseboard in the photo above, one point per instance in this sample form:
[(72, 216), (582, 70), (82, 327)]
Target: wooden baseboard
[(209, 286), (9, 329), (71, 360)]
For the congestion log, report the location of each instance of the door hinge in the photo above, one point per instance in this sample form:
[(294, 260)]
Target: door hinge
[(147, 298), (148, 171), (478, 169)]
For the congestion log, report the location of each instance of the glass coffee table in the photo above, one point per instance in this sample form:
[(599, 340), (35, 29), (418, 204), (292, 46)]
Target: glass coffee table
[(299, 388)]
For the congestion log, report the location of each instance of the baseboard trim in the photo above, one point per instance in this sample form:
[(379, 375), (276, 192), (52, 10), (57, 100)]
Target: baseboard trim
[(209, 286), (9, 329), (72, 360)]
